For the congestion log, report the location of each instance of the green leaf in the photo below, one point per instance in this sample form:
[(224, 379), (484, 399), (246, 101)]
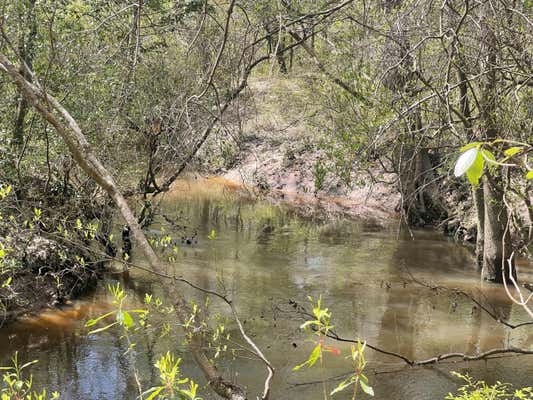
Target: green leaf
[(511, 151), (470, 146), (367, 389), (128, 321), (308, 323), (139, 311), (313, 357), (465, 161), (343, 385), (489, 157), (476, 169), (155, 392), (29, 363), (103, 329), (529, 175), (92, 322)]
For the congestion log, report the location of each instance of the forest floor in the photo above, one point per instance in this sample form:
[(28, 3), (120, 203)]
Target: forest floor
[(276, 156)]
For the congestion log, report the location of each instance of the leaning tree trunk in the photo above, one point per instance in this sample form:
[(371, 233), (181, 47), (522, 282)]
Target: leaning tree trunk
[(71, 133)]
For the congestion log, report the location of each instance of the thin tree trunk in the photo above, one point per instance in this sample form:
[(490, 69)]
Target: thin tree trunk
[(26, 54), (280, 56), (477, 191), (479, 204)]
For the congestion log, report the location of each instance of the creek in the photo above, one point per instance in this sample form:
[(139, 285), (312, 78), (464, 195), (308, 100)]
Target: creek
[(266, 256)]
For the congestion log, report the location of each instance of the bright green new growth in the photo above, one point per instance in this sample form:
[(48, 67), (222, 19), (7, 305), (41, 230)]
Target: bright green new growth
[(319, 327), (15, 386), (171, 381), (479, 390), (357, 357), (123, 318)]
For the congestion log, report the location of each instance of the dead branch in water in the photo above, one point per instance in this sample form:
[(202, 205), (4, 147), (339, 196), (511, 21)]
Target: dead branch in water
[(411, 362), (467, 295)]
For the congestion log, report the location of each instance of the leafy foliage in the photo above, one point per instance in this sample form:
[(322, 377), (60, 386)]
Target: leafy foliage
[(16, 386), (480, 390), (476, 155), (172, 384)]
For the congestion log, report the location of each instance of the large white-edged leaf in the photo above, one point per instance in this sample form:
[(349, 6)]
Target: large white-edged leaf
[(476, 170), (465, 161)]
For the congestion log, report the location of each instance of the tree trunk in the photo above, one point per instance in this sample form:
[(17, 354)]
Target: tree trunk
[(280, 56), (477, 192), (26, 53), (497, 236), (479, 204)]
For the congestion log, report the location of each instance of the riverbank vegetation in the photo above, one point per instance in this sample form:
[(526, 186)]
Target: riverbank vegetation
[(368, 109)]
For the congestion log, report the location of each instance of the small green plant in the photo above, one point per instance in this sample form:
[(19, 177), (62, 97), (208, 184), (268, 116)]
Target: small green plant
[(319, 327), (319, 173), (357, 379), (172, 383), (480, 390), (4, 191), (123, 317), (16, 386)]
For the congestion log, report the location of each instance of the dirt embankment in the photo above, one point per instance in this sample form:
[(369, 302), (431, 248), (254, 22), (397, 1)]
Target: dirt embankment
[(39, 273), (278, 156), (50, 246)]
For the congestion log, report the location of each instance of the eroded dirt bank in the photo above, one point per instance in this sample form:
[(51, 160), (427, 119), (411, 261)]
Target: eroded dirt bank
[(273, 154)]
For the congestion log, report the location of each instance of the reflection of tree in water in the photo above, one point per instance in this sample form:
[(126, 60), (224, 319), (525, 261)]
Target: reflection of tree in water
[(397, 328), (486, 332)]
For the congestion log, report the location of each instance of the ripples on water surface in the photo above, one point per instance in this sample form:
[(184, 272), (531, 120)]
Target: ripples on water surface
[(265, 257)]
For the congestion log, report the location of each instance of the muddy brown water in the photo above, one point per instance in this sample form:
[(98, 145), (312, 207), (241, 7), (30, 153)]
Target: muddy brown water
[(266, 257)]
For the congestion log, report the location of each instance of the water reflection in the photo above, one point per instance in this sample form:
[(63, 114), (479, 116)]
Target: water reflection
[(266, 256)]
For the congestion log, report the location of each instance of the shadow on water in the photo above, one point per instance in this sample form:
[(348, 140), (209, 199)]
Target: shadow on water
[(265, 256)]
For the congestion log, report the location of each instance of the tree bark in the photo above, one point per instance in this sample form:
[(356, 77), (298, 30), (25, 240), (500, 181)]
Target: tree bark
[(497, 236), (477, 192), (479, 204), (26, 54)]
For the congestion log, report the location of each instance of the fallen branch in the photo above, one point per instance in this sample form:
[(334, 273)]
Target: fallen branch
[(432, 360), (461, 292)]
